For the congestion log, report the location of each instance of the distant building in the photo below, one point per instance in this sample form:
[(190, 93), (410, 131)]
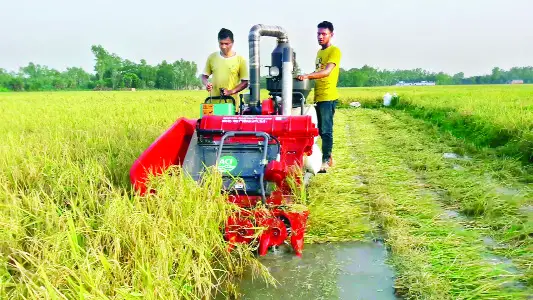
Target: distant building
[(516, 81)]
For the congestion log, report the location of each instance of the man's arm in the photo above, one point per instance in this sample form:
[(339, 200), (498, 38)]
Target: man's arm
[(207, 72), (241, 86), (319, 74), (208, 85), (333, 61)]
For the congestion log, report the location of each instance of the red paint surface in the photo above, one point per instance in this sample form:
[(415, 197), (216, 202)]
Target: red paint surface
[(296, 136)]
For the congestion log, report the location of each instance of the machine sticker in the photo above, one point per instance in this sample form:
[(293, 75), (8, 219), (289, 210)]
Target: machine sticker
[(245, 119), (227, 163), (207, 109)]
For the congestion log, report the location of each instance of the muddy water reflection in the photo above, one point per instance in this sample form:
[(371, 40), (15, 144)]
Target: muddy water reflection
[(354, 270)]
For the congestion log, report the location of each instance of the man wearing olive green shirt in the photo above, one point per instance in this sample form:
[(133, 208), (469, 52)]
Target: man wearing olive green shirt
[(229, 69), (326, 94)]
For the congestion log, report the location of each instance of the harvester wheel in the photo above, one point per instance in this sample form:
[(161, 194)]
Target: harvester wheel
[(274, 235)]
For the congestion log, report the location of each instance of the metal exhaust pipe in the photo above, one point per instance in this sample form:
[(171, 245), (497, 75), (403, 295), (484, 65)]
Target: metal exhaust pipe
[(286, 81), (256, 32)]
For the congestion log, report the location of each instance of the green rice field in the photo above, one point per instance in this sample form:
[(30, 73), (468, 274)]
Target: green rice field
[(444, 178)]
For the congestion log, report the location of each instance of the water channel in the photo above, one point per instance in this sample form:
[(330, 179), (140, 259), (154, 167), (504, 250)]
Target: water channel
[(343, 270)]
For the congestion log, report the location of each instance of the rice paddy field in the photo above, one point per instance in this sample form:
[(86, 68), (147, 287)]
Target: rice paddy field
[(444, 178)]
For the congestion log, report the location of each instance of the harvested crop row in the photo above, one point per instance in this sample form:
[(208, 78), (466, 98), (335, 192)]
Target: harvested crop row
[(338, 208), (483, 188), (435, 257), (496, 116)]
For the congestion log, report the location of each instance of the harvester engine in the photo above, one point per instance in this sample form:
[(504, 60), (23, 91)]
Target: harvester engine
[(255, 146)]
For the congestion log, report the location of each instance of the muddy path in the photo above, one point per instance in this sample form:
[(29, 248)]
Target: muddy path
[(455, 223)]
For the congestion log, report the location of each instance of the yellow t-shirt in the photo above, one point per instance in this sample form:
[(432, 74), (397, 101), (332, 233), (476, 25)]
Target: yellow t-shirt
[(326, 88), (227, 71)]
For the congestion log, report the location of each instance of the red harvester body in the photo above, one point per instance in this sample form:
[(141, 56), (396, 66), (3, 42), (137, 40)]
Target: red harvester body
[(243, 138), (255, 150)]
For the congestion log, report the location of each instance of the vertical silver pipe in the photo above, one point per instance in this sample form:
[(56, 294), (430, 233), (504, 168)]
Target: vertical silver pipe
[(286, 80), (256, 32)]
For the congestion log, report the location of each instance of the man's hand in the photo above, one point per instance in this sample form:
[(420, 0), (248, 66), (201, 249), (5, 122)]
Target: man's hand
[(226, 92), (318, 74), (208, 85)]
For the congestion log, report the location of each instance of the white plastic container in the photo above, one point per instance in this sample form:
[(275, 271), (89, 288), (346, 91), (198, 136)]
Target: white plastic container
[(309, 110), (387, 99), (312, 163)]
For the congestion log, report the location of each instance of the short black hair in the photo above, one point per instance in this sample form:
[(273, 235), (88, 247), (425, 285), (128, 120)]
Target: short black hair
[(326, 24), (224, 34)]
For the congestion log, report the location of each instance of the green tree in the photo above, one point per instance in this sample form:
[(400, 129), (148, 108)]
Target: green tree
[(5, 79), (497, 76), (102, 58), (131, 80)]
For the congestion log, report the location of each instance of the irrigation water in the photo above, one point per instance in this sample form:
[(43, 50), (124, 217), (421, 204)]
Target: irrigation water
[(340, 270)]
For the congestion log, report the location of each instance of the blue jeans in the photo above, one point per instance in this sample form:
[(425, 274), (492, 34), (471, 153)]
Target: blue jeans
[(325, 110)]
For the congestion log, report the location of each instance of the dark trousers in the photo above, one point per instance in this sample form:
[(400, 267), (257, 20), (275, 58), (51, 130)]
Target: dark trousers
[(325, 110)]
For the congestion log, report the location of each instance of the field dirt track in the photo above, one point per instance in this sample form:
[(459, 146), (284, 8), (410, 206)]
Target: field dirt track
[(444, 179)]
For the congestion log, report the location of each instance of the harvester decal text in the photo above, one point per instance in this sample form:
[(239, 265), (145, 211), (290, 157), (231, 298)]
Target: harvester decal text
[(227, 163)]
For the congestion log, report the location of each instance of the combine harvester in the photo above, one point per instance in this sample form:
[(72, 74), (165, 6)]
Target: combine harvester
[(255, 148)]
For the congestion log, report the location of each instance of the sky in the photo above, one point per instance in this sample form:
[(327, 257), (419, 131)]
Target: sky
[(470, 36)]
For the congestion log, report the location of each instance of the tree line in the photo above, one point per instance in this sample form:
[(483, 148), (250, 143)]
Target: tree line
[(111, 72), (368, 76)]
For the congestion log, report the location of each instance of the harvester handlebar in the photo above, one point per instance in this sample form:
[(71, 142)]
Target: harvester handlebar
[(259, 134), (256, 133), (225, 98)]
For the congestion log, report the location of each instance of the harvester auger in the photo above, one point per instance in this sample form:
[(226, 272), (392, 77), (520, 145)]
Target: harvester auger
[(255, 148)]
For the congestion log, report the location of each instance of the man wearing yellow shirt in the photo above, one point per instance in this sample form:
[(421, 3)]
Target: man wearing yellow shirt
[(229, 69), (326, 95)]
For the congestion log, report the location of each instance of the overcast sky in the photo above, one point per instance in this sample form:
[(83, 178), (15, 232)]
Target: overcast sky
[(445, 35)]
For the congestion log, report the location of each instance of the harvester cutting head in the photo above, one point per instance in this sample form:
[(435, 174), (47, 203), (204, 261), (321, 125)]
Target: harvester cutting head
[(255, 150)]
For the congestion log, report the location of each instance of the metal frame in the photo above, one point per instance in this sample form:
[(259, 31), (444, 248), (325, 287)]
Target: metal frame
[(264, 160)]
